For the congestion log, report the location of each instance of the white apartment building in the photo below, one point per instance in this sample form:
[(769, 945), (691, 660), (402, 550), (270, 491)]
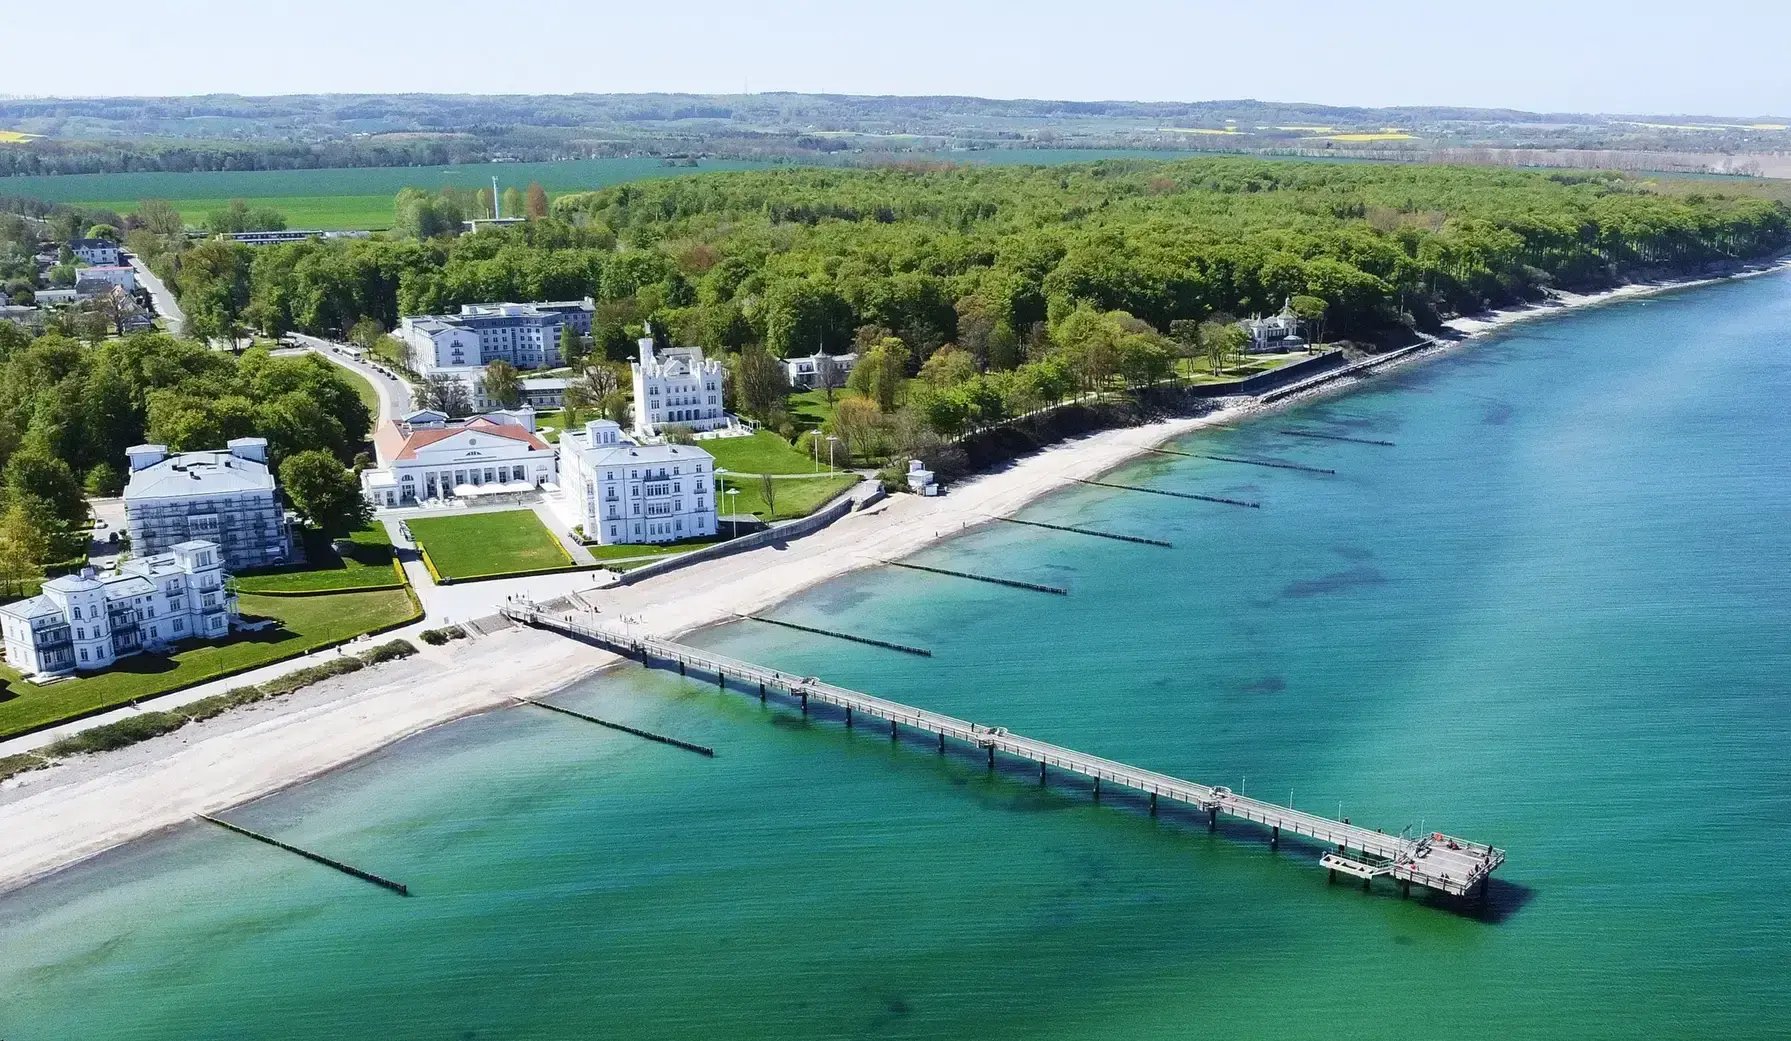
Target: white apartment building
[(122, 275), (88, 621), (228, 498), (676, 387), (525, 335), (630, 493), (103, 252), (425, 455)]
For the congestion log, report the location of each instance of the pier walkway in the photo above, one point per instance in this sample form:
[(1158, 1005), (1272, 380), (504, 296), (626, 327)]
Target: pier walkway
[(1436, 861)]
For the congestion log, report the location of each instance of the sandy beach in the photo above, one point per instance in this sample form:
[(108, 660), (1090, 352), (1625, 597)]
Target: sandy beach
[(79, 808)]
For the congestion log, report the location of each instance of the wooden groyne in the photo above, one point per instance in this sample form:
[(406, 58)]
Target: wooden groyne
[(1011, 583), (1165, 491), (623, 727), (347, 869), (1439, 862), (1246, 462), (1114, 535), (1337, 437), (869, 641)]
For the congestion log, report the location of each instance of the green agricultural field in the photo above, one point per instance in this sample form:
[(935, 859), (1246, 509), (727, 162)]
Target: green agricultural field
[(760, 453), (361, 198), (796, 497), (479, 544), (306, 624), (357, 198), (364, 563)]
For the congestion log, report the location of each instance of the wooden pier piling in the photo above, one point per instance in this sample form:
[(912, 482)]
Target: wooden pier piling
[(869, 641), (1336, 437), (1246, 462), (1012, 583), (688, 746), (1115, 536), (347, 869), (1178, 495)]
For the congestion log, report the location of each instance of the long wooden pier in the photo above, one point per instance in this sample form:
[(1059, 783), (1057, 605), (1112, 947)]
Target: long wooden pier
[(1436, 861)]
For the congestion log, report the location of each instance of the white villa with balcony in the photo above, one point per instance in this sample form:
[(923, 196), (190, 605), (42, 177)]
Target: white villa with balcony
[(676, 387), (624, 492), (86, 622)]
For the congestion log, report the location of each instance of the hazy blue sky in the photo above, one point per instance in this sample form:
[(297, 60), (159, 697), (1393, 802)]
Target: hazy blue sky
[(1730, 57)]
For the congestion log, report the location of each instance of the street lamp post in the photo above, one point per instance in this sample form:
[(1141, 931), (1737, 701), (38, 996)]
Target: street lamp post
[(733, 511), (832, 442)]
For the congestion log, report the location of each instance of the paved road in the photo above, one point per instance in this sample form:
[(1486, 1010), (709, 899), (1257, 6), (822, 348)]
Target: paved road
[(394, 394), (159, 293)]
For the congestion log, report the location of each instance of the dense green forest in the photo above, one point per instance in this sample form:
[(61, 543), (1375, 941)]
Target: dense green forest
[(803, 258)]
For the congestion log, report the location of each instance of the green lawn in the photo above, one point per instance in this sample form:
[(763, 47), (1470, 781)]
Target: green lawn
[(306, 623), (810, 409), (795, 498), (760, 453), (363, 388), (1199, 371), (365, 561), (480, 544)]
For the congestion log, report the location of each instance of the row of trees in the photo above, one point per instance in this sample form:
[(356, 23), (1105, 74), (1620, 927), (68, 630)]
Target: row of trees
[(69, 410)]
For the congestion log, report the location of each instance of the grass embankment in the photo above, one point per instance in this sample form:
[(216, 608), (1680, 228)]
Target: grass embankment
[(306, 624), (793, 497), (656, 549), (146, 725), (363, 562), (364, 389), (1199, 373), (481, 545), (760, 453)]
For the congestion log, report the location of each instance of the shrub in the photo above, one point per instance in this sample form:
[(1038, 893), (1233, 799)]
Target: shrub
[(437, 637), (391, 650)]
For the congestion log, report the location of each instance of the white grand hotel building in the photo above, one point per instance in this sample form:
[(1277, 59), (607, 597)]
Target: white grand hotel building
[(623, 492)]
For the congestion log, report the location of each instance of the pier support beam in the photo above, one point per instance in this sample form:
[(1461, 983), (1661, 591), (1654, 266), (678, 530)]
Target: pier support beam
[(1405, 888), (761, 692), (848, 717), (805, 702), (1367, 883), (991, 756), (1041, 773), (1153, 804), (680, 666), (892, 730), (1097, 791), (1332, 872), (1275, 837), (941, 744), (721, 680), (1212, 818)]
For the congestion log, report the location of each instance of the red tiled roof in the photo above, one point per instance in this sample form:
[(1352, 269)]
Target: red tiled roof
[(424, 438)]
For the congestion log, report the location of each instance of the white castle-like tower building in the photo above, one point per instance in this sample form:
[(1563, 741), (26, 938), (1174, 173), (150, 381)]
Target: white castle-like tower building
[(676, 387)]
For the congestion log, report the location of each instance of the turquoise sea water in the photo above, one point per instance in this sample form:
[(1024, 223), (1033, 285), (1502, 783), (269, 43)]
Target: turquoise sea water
[(1553, 617)]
